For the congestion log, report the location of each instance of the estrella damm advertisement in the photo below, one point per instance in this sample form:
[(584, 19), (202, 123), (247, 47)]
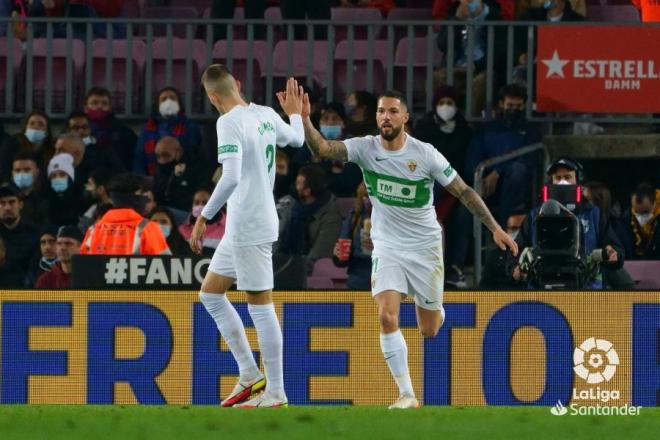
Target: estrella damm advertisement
[(495, 348)]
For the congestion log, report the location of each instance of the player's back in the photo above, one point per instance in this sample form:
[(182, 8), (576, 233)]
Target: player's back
[(251, 214)]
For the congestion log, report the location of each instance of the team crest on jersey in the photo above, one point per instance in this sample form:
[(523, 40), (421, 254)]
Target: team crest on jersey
[(412, 165)]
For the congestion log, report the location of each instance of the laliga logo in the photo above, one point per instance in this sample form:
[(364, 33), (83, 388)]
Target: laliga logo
[(595, 360)]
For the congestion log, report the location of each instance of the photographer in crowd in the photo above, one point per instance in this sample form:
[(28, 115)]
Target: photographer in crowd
[(596, 239)]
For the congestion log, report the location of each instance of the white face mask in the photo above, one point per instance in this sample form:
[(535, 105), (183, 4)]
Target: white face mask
[(88, 140), (563, 182), (169, 107), (446, 112), (643, 219)]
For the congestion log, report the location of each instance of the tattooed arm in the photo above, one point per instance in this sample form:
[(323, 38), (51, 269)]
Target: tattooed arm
[(321, 146), (475, 204)]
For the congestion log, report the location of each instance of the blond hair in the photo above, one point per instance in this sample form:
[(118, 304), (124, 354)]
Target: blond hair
[(217, 78)]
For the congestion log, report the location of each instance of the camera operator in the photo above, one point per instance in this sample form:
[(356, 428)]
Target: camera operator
[(597, 234)]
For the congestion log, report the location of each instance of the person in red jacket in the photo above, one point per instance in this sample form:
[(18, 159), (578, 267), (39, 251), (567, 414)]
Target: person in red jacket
[(67, 245), (650, 9)]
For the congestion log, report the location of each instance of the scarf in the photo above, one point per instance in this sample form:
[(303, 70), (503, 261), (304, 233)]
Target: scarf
[(156, 128)]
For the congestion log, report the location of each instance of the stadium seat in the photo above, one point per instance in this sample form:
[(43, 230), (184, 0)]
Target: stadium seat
[(17, 57), (118, 83), (300, 50), (199, 5), (360, 63), (325, 268), (419, 60), (621, 13), (344, 205), (238, 63), (178, 30), (646, 274), (178, 56), (319, 283), (360, 32), (274, 15), (59, 91), (409, 14)]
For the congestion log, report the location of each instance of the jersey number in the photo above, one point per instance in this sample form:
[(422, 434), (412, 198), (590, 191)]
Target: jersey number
[(270, 156)]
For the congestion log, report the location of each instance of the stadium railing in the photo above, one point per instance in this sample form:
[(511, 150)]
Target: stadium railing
[(61, 58)]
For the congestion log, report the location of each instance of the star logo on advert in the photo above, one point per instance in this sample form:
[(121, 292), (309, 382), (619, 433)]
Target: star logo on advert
[(555, 66)]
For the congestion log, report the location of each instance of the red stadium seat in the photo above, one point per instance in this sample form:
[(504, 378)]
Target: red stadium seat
[(360, 66), (646, 274), (118, 84), (178, 30), (301, 50), (238, 63), (419, 60), (178, 56), (360, 32), (325, 268), (622, 13), (320, 283), (59, 89), (16, 54)]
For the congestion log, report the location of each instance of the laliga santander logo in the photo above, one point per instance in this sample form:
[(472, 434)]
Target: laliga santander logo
[(595, 360)]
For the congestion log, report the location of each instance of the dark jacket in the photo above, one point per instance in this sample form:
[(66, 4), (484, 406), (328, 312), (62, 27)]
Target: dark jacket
[(183, 129), (625, 233), (8, 148), (21, 242), (453, 146), (110, 133), (498, 137), (65, 208), (178, 191)]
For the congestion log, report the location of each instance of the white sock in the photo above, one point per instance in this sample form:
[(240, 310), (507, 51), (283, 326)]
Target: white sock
[(231, 328), (395, 351), (270, 344)]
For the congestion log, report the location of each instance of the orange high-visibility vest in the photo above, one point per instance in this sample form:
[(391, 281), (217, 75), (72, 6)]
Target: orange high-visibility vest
[(123, 231), (650, 9)]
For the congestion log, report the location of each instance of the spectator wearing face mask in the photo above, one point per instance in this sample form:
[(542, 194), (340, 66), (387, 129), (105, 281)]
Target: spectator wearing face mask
[(447, 130), (36, 139), (178, 245), (108, 131), (168, 119), (177, 175), (342, 177), (215, 228), (639, 227), (505, 185), (43, 261), (27, 177), (65, 200)]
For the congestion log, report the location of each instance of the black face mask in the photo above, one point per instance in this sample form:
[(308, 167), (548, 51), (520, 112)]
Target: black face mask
[(513, 115)]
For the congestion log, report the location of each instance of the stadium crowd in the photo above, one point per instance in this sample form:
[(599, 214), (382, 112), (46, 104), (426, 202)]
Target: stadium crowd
[(56, 186)]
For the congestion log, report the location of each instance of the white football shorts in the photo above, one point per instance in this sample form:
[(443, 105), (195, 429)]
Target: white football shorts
[(418, 273), (251, 266)]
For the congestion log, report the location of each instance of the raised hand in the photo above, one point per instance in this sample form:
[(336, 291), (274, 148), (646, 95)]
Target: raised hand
[(291, 100)]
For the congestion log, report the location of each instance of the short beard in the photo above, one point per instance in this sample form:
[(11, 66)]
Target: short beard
[(393, 135), (8, 221)]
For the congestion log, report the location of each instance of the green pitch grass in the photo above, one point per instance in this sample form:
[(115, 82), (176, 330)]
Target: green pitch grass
[(315, 423)]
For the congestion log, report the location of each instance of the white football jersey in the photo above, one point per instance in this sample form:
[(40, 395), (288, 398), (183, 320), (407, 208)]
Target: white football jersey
[(400, 186), (251, 215)]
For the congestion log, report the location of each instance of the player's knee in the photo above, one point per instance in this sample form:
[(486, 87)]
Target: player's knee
[(389, 322), (430, 331)]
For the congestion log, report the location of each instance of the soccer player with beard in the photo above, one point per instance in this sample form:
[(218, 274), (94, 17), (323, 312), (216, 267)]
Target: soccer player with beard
[(399, 172)]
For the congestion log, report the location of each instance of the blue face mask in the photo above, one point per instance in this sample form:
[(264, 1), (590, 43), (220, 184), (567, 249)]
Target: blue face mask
[(547, 4), (23, 180), (331, 132), (59, 184), (166, 230), (473, 6), (35, 136)]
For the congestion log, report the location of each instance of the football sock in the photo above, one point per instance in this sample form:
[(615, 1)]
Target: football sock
[(270, 344), (395, 351), (231, 328)]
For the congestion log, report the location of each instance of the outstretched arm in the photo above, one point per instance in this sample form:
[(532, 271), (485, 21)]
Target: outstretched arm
[(317, 143), (475, 204)]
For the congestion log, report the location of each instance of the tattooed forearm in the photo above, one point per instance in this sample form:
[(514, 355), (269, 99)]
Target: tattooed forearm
[(322, 147), (475, 204)]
